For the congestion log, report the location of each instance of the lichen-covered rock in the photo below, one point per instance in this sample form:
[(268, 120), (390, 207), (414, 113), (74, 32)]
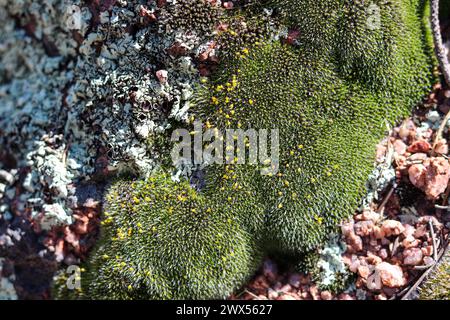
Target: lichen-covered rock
[(329, 91)]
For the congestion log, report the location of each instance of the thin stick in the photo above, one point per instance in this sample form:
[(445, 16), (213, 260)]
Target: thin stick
[(438, 44), (435, 255), (425, 266), (252, 294), (395, 246), (423, 276), (386, 199)]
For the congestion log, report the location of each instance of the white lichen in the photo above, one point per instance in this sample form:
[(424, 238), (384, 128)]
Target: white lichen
[(330, 261)]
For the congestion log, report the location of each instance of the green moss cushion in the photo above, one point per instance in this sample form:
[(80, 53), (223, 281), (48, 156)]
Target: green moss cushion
[(330, 95)]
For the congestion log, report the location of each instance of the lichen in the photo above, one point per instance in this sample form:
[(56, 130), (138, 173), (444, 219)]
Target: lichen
[(7, 290)]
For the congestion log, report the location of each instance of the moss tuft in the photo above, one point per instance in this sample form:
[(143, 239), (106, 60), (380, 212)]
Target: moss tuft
[(329, 96), (437, 286)]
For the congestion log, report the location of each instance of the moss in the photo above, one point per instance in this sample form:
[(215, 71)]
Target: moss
[(162, 240), (437, 286), (330, 97), (196, 15)]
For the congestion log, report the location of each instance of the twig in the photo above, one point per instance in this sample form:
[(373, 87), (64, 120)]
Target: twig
[(395, 246), (427, 266), (252, 294), (386, 199), (438, 44), (424, 275), (430, 222), (64, 157)]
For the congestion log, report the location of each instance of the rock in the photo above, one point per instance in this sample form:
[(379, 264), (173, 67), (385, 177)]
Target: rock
[(421, 231), (428, 260), (272, 294), (418, 157), (305, 295), (441, 147), (177, 49), (355, 242), (326, 295), (292, 36), (409, 230), (438, 174), (270, 270), (392, 227), (363, 271), (304, 280), (380, 296), (162, 76), (345, 296), (390, 275), (347, 228), (370, 215), (410, 242), (417, 175), (285, 289), (399, 147), (383, 254), (419, 146), (228, 5), (412, 257), (294, 280), (286, 297), (363, 228), (374, 282), (260, 283), (314, 291), (373, 259), (431, 176), (378, 233), (354, 264), (427, 251), (204, 55)]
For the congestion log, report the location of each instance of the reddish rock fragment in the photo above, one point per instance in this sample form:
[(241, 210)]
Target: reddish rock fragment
[(390, 275), (412, 257), (162, 76), (364, 228), (417, 175), (441, 147), (419, 146), (392, 227), (326, 295), (399, 147)]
